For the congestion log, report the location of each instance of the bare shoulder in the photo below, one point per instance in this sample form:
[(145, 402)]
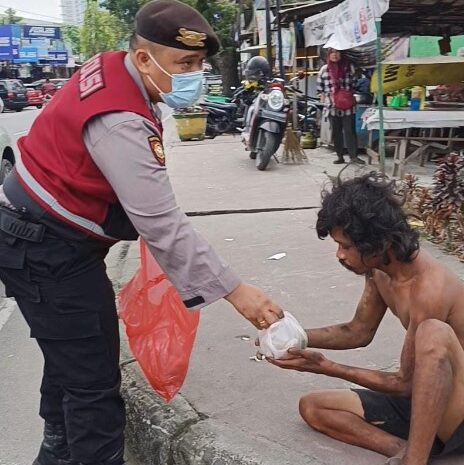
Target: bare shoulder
[(436, 288)]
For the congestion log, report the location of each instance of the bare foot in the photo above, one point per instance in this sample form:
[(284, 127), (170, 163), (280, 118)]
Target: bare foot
[(396, 460)]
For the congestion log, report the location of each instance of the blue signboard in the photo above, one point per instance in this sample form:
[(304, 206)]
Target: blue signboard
[(27, 55), (41, 32), (42, 45), (57, 57), (10, 38)]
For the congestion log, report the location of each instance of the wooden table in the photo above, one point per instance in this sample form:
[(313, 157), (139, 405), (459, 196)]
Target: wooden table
[(427, 130)]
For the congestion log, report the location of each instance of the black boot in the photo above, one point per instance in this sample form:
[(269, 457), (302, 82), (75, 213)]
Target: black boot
[(357, 160), (339, 161), (54, 449)]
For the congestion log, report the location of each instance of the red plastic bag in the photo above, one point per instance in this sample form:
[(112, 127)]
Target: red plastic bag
[(160, 329)]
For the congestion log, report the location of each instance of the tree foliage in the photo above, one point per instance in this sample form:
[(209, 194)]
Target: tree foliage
[(221, 14), (72, 36), (9, 17), (100, 32)]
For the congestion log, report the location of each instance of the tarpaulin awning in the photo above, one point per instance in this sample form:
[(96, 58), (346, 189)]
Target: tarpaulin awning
[(426, 71), (349, 24)]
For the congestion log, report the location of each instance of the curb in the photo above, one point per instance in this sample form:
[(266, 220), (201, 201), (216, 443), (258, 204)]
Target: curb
[(158, 433)]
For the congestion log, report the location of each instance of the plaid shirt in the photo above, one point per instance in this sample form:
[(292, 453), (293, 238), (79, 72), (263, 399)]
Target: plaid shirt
[(325, 87)]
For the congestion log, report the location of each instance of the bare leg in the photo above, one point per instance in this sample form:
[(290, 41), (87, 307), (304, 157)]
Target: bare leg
[(438, 389), (340, 415)]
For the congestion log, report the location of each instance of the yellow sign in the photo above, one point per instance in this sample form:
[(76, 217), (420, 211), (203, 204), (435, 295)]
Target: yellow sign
[(414, 72)]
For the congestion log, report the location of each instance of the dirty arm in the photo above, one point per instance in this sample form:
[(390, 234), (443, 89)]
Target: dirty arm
[(359, 331), (429, 305), (399, 382)]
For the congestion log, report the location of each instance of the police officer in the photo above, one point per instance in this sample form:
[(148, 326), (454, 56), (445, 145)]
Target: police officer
[(92, 171)]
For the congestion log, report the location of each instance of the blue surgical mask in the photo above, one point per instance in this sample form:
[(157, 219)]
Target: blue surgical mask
[(186, 88)]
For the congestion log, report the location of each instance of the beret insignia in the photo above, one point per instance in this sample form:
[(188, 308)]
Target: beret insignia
[(191, 38)]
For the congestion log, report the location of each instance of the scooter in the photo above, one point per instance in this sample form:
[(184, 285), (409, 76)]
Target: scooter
[(221, 117), (265, 123)]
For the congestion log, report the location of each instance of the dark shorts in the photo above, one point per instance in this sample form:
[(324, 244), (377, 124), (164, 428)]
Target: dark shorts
[(392, 414)]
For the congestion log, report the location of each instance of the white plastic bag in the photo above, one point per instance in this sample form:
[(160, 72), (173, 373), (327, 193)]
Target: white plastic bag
[(284, 334)]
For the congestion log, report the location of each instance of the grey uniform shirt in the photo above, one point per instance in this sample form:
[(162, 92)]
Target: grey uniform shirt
[(118, 143)]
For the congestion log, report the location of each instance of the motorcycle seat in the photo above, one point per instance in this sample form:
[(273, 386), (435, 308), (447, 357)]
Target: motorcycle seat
[(221, 106)]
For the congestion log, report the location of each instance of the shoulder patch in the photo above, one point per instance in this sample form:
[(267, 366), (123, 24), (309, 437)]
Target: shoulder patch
[(157, 149)]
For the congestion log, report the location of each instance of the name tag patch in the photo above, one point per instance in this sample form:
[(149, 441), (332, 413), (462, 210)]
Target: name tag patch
[(91, 77)]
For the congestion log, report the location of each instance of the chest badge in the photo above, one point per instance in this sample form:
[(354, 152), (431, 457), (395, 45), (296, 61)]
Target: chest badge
[(157, 149)]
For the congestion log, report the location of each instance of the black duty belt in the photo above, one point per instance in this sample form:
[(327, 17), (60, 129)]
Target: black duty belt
[(12, 223)]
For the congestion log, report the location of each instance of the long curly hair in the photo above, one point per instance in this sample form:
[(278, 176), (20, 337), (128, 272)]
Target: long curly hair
[(369, 210)]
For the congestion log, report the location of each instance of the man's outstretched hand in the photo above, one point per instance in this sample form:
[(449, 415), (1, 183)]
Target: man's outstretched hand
[(255, 306), (304, 360)]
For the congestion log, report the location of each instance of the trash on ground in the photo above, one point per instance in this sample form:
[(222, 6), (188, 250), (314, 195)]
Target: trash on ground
[(278, 256)]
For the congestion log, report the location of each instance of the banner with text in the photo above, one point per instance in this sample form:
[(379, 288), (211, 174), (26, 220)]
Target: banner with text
[(348, 25)]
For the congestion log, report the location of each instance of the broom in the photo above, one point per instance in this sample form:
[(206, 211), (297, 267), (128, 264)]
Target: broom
[(293, 152)]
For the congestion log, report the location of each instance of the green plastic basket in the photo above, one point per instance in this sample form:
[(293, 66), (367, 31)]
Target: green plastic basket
[(217, 99)]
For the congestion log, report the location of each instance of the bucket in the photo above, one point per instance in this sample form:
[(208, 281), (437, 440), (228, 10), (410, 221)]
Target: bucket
[(191, 126)]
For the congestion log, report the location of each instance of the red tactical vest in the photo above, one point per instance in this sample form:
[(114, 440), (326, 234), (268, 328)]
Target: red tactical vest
[(56, 170)]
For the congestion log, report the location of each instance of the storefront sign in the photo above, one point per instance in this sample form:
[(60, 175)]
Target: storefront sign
[(429, 71), (49, 32), (27, 55), (57, 58), (10, 38)]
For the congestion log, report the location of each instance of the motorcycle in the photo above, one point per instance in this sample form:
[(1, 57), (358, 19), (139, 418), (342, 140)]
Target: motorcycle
[(265, 123), (220, 119), (229, 117)]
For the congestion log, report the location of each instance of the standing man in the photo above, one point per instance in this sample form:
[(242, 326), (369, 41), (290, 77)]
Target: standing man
[(92, 171), (418, 410)]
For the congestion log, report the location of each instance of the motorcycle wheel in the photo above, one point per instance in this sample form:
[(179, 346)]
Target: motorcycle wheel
[(268, 148), (253, 155)]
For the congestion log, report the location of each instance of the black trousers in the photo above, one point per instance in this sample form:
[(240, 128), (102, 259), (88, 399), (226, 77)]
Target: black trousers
[(344, 135), (64, 294)]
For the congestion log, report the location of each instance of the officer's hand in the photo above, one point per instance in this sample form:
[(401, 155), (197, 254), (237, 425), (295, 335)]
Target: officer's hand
[(255, 306)]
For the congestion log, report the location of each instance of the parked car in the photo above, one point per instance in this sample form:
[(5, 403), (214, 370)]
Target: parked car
[(13, 94), (6, 150), (35, 98)]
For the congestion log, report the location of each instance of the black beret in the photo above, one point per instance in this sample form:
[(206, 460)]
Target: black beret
[(175, 24)]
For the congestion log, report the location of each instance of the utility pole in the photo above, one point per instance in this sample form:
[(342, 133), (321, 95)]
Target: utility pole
[(279, 41), (268, 34)]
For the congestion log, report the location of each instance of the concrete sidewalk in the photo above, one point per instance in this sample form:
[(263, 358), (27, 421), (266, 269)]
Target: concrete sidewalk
[(233, 410)]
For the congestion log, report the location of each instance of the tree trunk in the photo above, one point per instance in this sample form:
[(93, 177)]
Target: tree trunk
[(228, 63)]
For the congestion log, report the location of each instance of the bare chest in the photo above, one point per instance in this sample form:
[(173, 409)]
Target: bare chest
[(398, 299)]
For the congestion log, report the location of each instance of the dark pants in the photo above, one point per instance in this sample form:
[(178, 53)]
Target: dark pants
[(64, 294), (344, 135)]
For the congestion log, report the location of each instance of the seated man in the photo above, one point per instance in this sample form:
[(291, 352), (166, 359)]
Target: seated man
[(417, 411)]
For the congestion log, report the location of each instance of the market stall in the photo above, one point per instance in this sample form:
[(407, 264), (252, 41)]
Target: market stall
[(347, 25), (431, 129)]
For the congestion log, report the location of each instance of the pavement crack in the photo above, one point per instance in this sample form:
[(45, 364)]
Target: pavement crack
[(248, 211)]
